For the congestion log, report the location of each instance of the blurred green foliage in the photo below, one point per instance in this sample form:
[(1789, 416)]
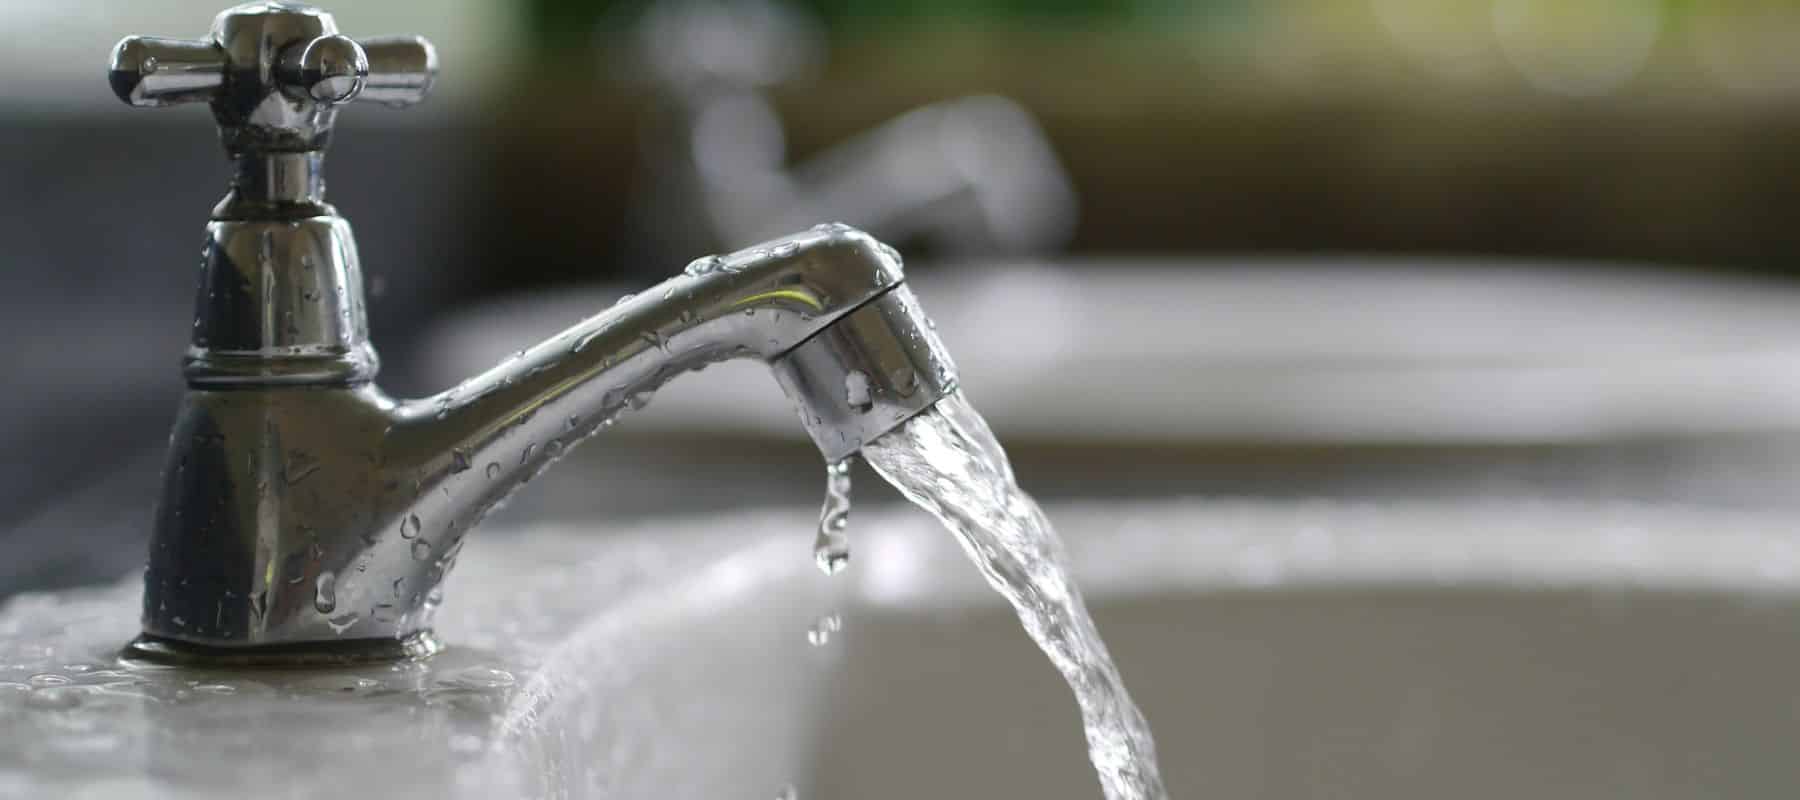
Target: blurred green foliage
[(559, 24)]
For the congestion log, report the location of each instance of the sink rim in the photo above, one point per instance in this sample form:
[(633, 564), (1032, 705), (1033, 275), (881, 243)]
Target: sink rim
[(1195, 546), (714, 563), (1332, 350)]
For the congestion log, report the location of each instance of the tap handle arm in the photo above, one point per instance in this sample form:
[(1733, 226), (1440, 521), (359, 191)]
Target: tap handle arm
[(273, 73), (155, 71), (401, 69)]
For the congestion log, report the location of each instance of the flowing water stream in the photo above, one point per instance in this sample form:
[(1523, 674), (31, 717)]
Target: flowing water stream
[(948, 462)]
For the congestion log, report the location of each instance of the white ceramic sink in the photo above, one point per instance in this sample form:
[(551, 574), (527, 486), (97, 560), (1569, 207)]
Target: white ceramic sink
[(1280, 649)]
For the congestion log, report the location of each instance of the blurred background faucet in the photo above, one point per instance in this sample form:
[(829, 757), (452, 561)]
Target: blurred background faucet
[(974, 175)]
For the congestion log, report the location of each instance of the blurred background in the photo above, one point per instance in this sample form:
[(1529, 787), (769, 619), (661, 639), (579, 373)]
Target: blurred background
[(1269, 247)]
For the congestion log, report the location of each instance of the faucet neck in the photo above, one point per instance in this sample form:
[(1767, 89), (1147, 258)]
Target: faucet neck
[(280, 300), (279, 185)]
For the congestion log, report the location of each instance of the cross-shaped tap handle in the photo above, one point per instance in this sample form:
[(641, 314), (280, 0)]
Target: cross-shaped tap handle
[(273, 73)]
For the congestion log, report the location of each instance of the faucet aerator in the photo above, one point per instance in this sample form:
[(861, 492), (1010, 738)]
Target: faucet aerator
[(866, 374)]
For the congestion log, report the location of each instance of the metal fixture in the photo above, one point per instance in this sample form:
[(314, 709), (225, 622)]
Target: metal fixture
[(307, 517)]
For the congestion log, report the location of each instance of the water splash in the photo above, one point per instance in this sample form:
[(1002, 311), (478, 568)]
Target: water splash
[(823, 629), (946, 461), (831, 548)]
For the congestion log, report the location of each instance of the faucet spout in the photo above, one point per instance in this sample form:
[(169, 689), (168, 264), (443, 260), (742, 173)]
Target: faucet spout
[(297, 518), (782, 302)]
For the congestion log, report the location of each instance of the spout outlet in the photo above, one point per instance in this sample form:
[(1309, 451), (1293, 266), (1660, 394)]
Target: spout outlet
[(865, 374)]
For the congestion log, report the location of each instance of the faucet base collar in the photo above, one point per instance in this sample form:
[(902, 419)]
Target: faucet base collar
[(174, 652)]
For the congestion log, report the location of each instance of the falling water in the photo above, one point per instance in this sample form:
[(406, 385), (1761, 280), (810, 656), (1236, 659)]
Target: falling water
[(947, 461), (831, 549)]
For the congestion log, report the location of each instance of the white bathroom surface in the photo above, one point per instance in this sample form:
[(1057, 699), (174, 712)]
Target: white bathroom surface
[(572, 671), (1283, 649), (1326, 350)]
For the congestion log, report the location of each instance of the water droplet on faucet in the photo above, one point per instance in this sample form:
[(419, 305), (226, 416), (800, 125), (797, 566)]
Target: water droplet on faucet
[(703, 265), (493, 470), (856, 391), (586, 339), (421, 550), (459, 460), (905, 381), (409, 527), (325, 593), (383, 612)]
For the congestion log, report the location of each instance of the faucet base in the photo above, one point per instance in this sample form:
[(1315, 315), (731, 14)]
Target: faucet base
[(173, 652)]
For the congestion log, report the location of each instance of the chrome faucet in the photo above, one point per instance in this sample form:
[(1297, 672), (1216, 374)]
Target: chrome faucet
[(307, 517)]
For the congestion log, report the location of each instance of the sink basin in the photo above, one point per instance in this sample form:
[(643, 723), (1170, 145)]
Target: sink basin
[(1398, 651), (1279, 648)]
